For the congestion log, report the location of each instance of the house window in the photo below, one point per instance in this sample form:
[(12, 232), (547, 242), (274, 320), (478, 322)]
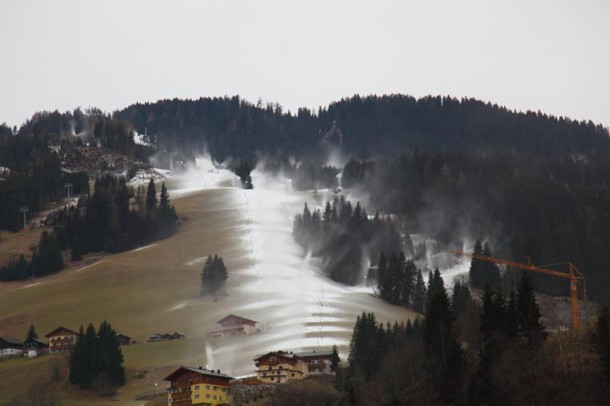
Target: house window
[(196, 396), (196, 387), (215, 397), (215, 388), (264, 374), (269, 368), (280, 367), (273, 378), (293, 374), (207, 396), (207, 387)]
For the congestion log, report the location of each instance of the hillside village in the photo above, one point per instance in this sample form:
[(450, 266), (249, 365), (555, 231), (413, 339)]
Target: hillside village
[(198, 385)]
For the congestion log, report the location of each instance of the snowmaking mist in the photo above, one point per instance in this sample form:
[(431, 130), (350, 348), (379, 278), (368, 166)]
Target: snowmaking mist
[(271, 280)]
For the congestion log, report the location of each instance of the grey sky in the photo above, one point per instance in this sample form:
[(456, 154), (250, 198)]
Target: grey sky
[(552, 56)]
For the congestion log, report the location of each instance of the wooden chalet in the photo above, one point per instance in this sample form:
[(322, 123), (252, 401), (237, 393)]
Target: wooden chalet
[(280, 367), (318, 362), (235, 325), (10, 347), (35, 347), (61, 339), (123, 339), (197, 386)]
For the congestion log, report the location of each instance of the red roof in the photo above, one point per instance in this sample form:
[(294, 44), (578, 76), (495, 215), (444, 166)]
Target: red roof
[(61, 331), (202, 371), (236, 319)]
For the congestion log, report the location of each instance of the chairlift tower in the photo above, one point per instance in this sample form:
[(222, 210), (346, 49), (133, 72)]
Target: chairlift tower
[(68, 187), (24, 209)]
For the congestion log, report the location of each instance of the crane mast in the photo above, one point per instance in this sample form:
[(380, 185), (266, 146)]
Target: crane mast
[(573, 274)]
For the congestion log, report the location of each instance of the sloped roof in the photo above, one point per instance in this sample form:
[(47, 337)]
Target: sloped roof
[(315, 353), (238, 318), (202, 371), (52, 333), (37, 342), (12, 341), (278, 353)]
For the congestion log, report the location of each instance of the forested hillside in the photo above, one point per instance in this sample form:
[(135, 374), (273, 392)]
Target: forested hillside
[(34, 177), (362, 126), (527, 184)]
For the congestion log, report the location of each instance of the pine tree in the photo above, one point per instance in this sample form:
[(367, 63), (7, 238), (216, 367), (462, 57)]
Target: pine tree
[(77, 359), (365, 347), (530, 326), (110, 356), (511, 327), (601, 340), (383, 278), (394, 279), (408, 281), (435, 284), (460, 297), (151, 196), (32, 335), (477, 268), (335, 360), (443, 351), (213, 275), (420, 293), (491, 273)]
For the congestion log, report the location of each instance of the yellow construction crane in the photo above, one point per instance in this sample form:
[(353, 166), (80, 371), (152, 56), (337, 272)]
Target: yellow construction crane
[(573, 274)]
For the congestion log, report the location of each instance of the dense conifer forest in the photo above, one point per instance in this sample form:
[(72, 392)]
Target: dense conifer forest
[(526, 183), (362, 126), (495, 352), (345, 238)]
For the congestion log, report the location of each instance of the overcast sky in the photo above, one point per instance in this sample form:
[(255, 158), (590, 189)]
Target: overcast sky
[(552, 56)]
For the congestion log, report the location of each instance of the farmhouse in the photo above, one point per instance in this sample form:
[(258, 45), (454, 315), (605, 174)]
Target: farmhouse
[(123, 339), (197, 386), (235, 325), (10, 347), (280, 366), (35, 347), (61, 339), (318, 362)]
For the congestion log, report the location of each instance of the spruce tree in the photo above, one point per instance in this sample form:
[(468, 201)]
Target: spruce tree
[(335, 360), (435, 284), (394, 279), (460, 297), (601, 340), (213, 275), (383, 278), (408, 281), (420, 293), (110, 356), (491, 273), (530, 326), (77, 359), (365, 347), (151, 196), (32, 335), (477, 268), (443, 351), (89, 358)]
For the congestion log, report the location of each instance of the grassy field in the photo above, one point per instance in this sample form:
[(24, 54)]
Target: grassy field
[(14, 244), (154, 289)]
